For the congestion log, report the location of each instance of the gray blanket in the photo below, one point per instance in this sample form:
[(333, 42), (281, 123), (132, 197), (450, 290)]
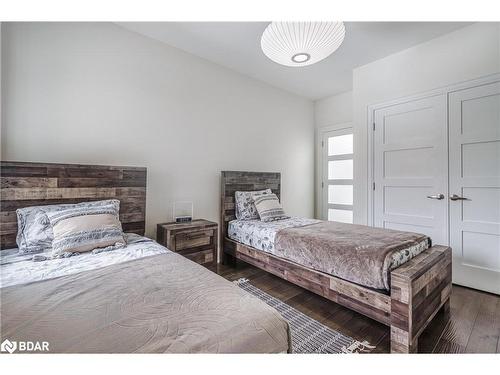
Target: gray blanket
[(357, 253), (158, 304)]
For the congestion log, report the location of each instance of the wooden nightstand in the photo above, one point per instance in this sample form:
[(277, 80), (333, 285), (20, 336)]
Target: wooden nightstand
[(196, 240)]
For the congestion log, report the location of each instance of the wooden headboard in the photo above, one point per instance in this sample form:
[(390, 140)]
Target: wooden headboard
[(232, 181), (25, 184)]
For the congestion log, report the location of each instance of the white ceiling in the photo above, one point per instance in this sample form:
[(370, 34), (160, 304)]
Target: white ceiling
[(236, 45)]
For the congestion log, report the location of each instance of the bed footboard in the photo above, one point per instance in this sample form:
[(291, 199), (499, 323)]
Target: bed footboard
[(419, 289)]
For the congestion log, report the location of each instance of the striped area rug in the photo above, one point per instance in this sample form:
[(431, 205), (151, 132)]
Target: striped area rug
[(308, 335)]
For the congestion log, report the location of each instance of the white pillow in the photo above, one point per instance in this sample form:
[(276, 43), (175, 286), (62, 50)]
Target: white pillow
[(34, 231), (80, 229), (269, 208)]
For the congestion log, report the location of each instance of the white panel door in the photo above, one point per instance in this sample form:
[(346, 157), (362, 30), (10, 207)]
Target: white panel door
[(475, 186), (411, 167)]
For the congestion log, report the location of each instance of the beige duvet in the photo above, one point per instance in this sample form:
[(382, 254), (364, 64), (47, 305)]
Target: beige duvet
[(356, 253), (159, 304)]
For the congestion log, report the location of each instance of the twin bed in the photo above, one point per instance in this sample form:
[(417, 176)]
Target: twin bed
[(396, 278), (145, 298), (142, 298)]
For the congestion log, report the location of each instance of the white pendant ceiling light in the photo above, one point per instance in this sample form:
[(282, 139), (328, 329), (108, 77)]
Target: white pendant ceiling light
[(301, 43)]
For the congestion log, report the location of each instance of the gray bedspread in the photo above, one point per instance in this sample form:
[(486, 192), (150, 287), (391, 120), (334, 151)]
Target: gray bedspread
[(157, 304), (357, 253)]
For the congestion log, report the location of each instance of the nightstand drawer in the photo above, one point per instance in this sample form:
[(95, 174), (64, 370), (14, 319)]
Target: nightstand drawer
[(201, 257), (193, 239)]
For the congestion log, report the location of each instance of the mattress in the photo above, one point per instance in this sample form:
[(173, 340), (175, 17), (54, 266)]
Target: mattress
[(143, 298), (356, 253)]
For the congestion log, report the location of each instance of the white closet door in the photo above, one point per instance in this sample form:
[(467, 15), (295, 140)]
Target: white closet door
[(410, 167), (475, 182)]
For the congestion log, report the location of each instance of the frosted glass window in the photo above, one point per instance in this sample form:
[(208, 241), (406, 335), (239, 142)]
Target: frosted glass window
[(340, 194), (340, 145), (340, 169), (344, 216)]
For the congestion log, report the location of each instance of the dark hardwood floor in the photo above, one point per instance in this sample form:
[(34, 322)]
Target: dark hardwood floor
[(474, 326)]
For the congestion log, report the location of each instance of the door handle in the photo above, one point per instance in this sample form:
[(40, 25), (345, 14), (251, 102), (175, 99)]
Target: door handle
[(437, 196), (455, 197)]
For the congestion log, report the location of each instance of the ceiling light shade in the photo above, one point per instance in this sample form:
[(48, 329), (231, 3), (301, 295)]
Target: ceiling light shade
[(301, 43)]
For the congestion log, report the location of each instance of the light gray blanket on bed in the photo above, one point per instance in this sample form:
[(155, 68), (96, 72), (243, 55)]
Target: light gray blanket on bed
[(357, 253), (157, 304)]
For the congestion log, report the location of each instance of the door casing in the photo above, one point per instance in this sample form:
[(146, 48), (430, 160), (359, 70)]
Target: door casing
[(320, 165)]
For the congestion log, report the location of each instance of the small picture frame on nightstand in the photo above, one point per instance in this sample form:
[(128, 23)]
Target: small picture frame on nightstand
[(183, 212)]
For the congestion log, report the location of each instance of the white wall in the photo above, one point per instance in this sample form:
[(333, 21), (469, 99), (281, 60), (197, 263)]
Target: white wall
[(97, 93), (333, 110), (465, 54)]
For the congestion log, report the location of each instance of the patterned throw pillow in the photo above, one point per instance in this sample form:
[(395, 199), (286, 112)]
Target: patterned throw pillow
[(269, 207), (79, 228), (34, 232), (244, 206)]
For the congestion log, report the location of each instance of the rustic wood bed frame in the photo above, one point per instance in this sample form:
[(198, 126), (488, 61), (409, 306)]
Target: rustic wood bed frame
[(25, 184), (419, 288)]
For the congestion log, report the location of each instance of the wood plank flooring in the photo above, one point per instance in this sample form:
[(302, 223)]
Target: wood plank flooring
[(474, 326)]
